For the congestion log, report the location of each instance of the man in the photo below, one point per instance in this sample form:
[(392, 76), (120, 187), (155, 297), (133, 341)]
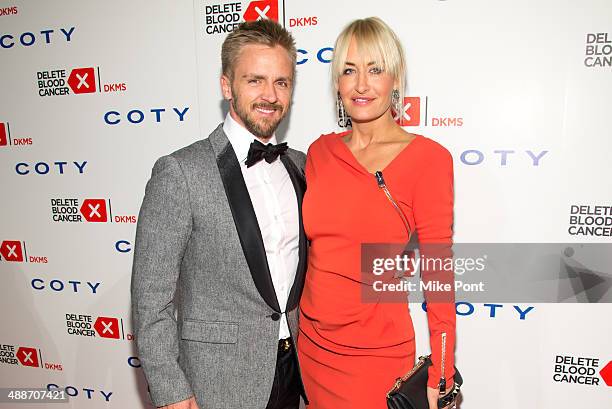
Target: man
[(220, 251)]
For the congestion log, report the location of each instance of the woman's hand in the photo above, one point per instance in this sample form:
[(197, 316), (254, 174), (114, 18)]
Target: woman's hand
[(432, 397)]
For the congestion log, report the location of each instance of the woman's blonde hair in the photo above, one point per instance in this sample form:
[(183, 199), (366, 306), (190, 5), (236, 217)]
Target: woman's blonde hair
[(376, 42)]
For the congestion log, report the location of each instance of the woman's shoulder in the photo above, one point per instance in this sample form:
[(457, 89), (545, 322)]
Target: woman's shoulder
[(325, 141), (431, 150)]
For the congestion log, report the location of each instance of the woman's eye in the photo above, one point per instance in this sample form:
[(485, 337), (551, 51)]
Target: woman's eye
[(376, 70), (348, 71)]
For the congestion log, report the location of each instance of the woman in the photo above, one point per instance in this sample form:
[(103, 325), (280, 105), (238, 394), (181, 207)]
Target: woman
[(351, 351)]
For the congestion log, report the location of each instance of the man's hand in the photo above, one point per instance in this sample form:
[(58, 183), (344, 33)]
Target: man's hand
[(184, 404)]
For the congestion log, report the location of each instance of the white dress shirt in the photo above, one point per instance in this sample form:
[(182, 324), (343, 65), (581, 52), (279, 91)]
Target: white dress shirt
[(276, 208)]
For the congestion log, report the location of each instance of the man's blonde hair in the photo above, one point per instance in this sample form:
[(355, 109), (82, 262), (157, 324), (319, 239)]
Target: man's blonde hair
[(376, 42), (265, 32)]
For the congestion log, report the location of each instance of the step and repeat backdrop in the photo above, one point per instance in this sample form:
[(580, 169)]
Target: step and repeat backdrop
[(92, 93)]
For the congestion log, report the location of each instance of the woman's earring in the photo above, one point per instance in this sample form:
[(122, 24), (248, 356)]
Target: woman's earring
[(341, 111), (395, 97), (395, 103)]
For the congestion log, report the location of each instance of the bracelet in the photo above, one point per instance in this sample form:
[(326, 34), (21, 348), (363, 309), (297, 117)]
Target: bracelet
[(449, 397)]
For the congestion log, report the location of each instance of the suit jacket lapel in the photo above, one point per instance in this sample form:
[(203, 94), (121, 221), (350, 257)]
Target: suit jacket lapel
[(299, 184), (244, 217)]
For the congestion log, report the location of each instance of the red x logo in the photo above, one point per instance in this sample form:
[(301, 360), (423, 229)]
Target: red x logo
[(94, 210), (411, 112), (107, 327), (3, 138), (262, 9), (82, 80), (11, 250), (27, 356)]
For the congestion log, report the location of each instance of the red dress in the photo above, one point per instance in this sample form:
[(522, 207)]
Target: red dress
[(351, 352)]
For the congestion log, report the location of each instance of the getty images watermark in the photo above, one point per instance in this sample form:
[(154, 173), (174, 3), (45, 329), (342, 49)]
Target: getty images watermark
[(491, 272), (408, 264)]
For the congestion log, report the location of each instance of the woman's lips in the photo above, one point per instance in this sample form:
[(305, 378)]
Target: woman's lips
[(362, 100)]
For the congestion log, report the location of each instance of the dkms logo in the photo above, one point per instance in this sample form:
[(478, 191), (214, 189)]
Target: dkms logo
[(303, 21), (225, 17), (18, 355), (9, 11), (416, 112), (15, 251), (25, 356), (6, 140)]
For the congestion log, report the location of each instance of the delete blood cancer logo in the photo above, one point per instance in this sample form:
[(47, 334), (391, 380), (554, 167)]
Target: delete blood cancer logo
[(225, 17), (73, 210), (102, 327), (598, 51), (15, 251), (16, 355), (582, 370), (84, 80), (25, 356)]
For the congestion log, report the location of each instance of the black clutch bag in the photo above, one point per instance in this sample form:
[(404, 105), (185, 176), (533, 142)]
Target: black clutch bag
[(410, 391)]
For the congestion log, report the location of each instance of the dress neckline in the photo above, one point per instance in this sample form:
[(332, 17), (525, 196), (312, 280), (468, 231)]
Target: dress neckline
[(356, 163)]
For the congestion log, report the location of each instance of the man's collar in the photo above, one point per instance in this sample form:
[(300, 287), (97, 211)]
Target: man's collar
[(240, 137)]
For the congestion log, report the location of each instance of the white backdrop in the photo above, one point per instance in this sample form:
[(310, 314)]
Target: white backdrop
[(518, 91)]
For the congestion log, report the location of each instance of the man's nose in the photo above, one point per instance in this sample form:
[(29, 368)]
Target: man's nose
[(269, 92)]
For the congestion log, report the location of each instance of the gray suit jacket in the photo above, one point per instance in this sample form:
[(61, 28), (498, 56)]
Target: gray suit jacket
[(205, 312)]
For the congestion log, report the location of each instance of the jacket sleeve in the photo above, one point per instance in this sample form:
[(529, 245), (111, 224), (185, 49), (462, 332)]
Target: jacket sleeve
[(164, 227), (433, 213)]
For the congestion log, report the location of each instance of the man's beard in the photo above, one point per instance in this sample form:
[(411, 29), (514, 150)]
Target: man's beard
[(264, 128)]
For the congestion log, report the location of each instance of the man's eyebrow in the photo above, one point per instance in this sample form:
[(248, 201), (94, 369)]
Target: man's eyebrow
[(263, 77), (255, 76)]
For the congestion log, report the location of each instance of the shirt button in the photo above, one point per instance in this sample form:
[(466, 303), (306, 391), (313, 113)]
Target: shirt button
[(275, 316)]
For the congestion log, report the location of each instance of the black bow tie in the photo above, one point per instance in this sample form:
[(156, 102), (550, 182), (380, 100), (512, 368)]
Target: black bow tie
[(269, 152)]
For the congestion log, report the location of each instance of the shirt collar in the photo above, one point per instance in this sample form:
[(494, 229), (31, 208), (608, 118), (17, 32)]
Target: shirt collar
[(241, 138)]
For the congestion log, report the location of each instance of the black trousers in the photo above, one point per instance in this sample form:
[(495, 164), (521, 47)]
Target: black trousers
[(286, 388)]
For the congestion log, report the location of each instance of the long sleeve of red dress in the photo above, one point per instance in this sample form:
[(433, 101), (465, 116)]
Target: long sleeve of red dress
[(433, 215)]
